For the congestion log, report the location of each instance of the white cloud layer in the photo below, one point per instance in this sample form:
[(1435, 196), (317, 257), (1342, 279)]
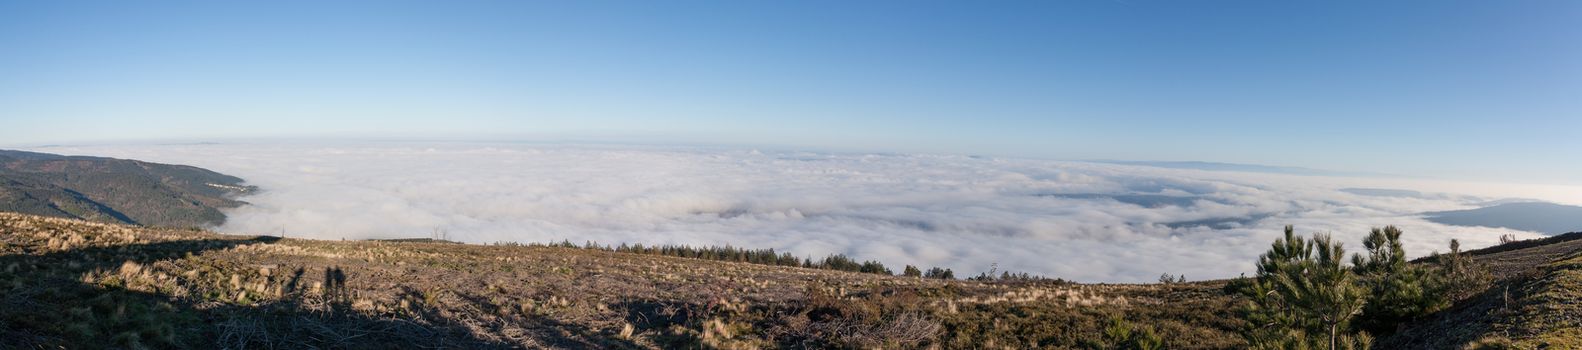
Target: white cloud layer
[(1059, 219)]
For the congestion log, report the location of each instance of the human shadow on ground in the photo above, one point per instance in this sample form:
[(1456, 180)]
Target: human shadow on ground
[(46, 303)]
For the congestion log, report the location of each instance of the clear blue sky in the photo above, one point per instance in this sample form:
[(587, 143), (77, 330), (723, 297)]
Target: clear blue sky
[(1458, 89)]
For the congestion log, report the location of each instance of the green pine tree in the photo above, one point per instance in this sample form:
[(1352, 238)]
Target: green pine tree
[(1303, 297), (1399, 291)]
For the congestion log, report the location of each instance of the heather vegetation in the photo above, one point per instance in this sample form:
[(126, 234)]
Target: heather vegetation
[(80, 285)]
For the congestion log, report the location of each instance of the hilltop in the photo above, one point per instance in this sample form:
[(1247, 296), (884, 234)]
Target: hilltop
[(68, 281), (113, 190)]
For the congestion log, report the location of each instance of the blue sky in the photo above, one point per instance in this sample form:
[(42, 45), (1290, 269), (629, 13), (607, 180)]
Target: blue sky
[(1488, 90)]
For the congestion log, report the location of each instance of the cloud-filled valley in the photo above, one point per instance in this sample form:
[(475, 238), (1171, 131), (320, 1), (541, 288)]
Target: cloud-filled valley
[(1075, 220)]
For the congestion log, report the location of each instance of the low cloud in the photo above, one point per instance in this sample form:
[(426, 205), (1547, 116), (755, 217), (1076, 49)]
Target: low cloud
[(1075, 220)]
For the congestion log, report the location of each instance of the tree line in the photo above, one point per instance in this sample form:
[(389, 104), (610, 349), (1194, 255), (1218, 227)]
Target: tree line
[(837, 262)]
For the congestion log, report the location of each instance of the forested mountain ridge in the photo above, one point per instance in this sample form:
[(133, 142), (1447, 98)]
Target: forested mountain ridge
[(114, 190)]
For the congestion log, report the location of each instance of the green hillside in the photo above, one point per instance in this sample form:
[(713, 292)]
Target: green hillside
[(113, 190)]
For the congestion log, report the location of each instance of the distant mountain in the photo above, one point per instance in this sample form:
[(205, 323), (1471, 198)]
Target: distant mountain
[(1542, 217), (1141, 200), (115, 190), (1506, 201), (1384, 192), (1250, 168)]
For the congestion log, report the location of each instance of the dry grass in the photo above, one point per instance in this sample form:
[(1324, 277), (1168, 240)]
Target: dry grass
[(193, 289), (1549, 314)]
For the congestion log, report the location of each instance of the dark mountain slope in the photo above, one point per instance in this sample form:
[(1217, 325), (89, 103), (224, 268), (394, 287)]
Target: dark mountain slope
[(1542, 217), (115, 190), (26, 195)]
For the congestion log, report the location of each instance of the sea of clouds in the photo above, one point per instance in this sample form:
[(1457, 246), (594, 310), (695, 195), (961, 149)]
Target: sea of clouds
[(1090, 222)]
